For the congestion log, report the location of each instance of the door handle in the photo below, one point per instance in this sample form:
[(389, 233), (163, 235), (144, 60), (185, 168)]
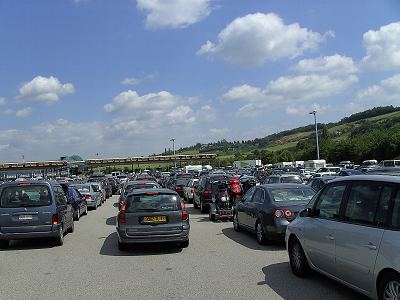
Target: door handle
[(330, 237), (371, 246)]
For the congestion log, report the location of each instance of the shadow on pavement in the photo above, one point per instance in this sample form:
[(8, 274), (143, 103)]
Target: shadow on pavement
[(111, 221), (110, 248), (248, 240), (194, 211), (280, 278), (29, 244)]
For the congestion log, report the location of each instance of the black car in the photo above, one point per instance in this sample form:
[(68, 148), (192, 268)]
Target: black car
[(179, 184), (318, 183), (203, 194), (114, 185), (268, 209)]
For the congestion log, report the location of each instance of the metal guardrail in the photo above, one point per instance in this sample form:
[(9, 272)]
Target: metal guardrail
[(45, 165)]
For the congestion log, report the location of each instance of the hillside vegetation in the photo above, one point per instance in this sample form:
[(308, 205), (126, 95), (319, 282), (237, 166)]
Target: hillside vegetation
[(371, 134)]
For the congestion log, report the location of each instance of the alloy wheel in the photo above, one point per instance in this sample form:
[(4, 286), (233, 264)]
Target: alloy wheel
[(392, 290)]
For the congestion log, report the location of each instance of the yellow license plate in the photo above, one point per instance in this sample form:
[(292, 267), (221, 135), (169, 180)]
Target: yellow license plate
[(155, 219)]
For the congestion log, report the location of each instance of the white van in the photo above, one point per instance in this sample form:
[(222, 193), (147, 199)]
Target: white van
[(391, 163), (115, 174)]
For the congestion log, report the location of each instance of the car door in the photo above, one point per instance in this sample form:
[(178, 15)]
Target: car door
[(243, 207), (359, 237), (254, 207), (65, 210), (319, 230)]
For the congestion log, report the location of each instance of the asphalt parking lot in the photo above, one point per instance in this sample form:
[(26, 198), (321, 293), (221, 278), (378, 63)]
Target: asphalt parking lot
[(219, 264)]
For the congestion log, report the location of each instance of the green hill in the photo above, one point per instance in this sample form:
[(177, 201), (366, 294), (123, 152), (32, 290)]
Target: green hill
[(374, 133)]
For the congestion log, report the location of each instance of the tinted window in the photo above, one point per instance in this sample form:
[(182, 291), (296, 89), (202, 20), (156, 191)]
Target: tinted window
[(328, 204), (362, 203), (291, 179), (280, 195), (132, 187), (258, 196), (249, 194), (273, 180), (95, 188), (60, 196), (395, 218), (158, 202), (383, 207), (24, 196)]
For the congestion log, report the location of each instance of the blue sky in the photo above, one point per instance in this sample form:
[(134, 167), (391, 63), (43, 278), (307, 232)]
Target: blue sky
[(123, 77)]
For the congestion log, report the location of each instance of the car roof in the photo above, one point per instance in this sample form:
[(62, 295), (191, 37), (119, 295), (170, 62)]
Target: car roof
[(381, 178), (159, 190), (284, 185), (35, 182)]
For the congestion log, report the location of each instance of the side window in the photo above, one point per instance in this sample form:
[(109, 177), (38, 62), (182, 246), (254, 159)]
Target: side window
[(258, 196), (60, 196), (249, 195), (395, 218), (95, 188), (363, 202), (381, 217), (328, 204)]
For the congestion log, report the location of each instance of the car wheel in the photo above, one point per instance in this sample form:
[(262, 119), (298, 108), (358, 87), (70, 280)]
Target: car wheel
[(260, 234), (95, 206), (298, 259), (86, 211), (4, 244), (236, 225), (184, 244), (72, 228), (122, 246), (59, 240), (202, 207), (389, 286), (211, 216), (195, 204), (78, 215)]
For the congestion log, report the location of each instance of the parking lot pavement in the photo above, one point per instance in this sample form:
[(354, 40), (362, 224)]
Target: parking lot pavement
[(219, 264)]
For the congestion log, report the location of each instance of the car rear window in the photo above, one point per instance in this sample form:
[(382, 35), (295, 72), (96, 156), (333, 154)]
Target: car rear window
[(182, 181), (280, 195), (292, 179), (25, 196), (83, 188), (132, 187), (152, 202)]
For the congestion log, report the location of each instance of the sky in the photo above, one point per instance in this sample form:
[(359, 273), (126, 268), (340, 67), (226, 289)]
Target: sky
[(117, 78)]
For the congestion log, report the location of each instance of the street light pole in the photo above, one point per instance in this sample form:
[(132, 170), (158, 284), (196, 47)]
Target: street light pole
[(314, 112), (173, 150)]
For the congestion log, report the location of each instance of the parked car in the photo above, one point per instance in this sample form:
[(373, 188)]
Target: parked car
[(189, 190), (179, 184), (130, 186), (154, 216), (34, 209), (267, 209), (349, 172), (76, 199), (285, 178), (318, 183), (114, 185), (91, 193), (202, 196), (103, 179), (102, 190), (350, 232)]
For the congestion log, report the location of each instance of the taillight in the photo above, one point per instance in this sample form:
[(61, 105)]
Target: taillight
[(178, 188), (185, 214), (122, 217), (206, 194), (88, 197), (192, 190), (54, 219), (283, 213)]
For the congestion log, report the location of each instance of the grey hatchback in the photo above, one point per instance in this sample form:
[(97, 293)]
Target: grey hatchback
[(153, 216), (350, 231), (34, 209)]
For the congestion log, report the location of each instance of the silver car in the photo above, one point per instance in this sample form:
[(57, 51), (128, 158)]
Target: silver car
[(350, 231)]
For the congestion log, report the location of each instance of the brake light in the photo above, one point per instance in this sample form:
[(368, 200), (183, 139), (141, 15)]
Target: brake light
[(88, 197), (193, 190), (206, 194), (185, 214), (122, 206), (54, 219), (234, 181), (122, 216), (178, 188), (152, 193), (283, 213), (24, 184)]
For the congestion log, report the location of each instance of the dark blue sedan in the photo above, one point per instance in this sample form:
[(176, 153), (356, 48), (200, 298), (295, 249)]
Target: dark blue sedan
[(78, 202)]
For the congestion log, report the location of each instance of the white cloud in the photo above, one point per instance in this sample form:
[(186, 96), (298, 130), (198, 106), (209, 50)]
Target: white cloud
[(219, 132), (130, 81), (24, 112), (256, 38), (383, 48), (44, 89), (8, 111), (173, 13), (334, 65), (387, 92), (305, 109), (2, 101)]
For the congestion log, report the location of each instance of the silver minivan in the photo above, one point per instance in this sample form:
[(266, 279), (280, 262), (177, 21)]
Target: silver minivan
[(350, 231)]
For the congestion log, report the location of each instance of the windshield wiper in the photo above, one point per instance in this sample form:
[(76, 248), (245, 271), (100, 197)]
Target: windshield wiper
[(146, 209)]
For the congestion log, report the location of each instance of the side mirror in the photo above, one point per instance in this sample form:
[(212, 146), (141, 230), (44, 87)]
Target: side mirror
[(306, 213)]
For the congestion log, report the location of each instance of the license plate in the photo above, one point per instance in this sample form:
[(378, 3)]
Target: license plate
[(155, 219), (25, 217), (226, 213)]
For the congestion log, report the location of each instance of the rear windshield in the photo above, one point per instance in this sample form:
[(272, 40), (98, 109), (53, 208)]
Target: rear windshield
[(132, 187), (280, 195), (82, 188), (182, 181), (25, 196), (158, 202), (292, 179)]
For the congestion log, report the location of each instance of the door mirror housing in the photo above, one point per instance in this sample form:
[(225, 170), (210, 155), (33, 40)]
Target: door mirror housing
[(308, 212)]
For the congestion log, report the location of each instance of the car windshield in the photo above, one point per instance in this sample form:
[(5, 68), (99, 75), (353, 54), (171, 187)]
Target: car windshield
[(25, 196), (280, 195), (152, 202), (292, 179)]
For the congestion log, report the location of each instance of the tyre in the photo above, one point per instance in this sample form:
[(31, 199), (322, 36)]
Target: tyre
[(72, 228), (202, 208), (86, 211), (236, 225), (195, 204), (184, 244), (260, 234), (298, 260), (389, 286), (212, 216), (4, 244), (95, 207), (78, 215), (59, 240), (122, 246)]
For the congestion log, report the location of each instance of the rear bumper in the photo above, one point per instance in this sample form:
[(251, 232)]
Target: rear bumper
[(278, 230), (31, 234), (175, 238), (91, 203)]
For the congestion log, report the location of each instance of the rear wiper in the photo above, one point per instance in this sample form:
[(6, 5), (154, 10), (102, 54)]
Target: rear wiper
[(147, 209)]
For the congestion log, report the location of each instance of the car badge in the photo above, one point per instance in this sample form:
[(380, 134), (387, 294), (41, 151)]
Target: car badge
[(25, 209)]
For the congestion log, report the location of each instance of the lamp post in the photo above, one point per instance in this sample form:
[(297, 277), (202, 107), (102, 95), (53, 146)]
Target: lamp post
[(314, 112), (173, 150)]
